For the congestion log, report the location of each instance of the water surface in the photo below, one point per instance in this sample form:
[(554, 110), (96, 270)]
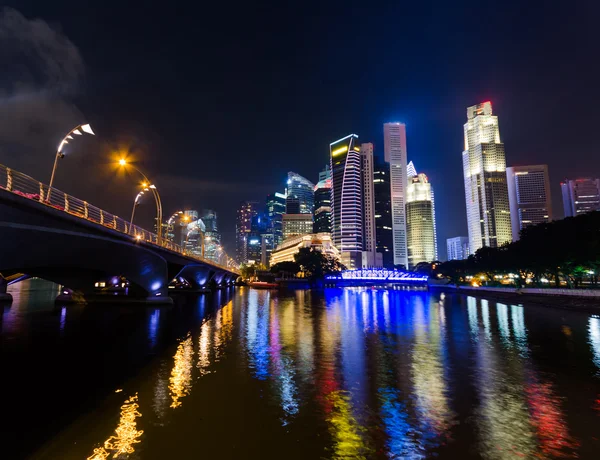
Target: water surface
[(352, 373)]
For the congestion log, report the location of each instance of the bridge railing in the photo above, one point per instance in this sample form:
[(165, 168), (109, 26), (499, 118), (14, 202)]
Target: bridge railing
[(27, 187)]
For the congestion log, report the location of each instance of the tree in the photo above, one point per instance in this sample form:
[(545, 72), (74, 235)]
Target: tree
[(315, 264), (567, 249), (288, 267), (248, 271)]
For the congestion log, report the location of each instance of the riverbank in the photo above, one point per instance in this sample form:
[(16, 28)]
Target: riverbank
[(567, 299)]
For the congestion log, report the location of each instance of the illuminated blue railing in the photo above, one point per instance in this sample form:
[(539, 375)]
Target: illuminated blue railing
[(378, 274)]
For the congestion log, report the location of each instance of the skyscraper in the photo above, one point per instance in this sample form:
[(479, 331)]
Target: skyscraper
[(212, 237), (580, 196), (275, 211), (193, 233), (346, 199), (484, 167), (297, 224), (420, 221), (325, 173), (369, 258), (245, 213), (394, 140), (383, 212), (458, 248), (256, 251), (322, 216), (529, 197), (300, 193)]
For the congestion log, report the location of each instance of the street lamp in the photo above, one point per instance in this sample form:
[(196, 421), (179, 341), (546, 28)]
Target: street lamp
[(135, 203), (123, 162), (59, 153), (170, 228)]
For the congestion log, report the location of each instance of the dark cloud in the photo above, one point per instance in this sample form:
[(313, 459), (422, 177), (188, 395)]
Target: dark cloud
[(41, 70)]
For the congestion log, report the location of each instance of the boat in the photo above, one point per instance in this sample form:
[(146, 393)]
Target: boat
[(263, 285)]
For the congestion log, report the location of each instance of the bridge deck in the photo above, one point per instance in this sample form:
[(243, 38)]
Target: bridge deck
[(34, 191)]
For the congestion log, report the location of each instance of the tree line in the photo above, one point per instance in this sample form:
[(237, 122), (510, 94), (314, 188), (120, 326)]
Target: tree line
[(308, 262), (566, 250)]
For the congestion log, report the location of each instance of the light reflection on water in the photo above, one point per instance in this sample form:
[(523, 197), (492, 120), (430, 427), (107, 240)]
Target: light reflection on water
[(359, 373), (126, 434)]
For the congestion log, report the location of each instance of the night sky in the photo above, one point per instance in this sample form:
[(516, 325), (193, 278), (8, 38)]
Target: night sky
[(218, 100)]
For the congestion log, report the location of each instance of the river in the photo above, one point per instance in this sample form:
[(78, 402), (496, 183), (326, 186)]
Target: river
[(340, 373)]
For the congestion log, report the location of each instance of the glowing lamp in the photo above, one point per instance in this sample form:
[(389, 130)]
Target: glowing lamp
[(87, 129)]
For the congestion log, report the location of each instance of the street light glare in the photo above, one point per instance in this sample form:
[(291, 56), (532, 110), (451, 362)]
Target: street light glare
[(87, 129), (122, 161)]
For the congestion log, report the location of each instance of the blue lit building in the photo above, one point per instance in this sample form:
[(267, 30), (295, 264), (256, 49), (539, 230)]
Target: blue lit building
[(275, 210), (300, 195)]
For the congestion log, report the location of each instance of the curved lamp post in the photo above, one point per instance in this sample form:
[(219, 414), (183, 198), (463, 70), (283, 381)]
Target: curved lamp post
[(170, 226), (152, 187), (135, 203), (86, 128)]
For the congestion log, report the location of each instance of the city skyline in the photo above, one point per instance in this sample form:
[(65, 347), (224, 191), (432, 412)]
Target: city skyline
[(278, 96)]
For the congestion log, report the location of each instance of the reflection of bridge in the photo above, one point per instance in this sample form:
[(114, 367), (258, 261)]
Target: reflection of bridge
[(370, 276), (66, 240)]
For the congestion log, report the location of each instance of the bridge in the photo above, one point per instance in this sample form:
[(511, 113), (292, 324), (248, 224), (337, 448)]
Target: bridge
[(376, 276), (63, 239)]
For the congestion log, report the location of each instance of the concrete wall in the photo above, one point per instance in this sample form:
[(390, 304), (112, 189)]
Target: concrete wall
[(594, 293)]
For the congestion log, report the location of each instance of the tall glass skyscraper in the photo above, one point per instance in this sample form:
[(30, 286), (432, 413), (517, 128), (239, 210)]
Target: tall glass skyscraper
[(212, 237), (529, 197), (300, 194), (246, 211), (394, 141), (322, 216), (420, 221), (346, 199), (383, 212), (275, 212), (486, 192)]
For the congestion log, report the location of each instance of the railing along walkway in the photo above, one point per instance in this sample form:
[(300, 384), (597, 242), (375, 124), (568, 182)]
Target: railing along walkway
[(27, 187)]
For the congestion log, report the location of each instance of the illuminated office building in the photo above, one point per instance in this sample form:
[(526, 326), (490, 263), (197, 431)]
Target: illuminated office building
[(245, 213), (580, 196), (529, 197), (383, 212), (346, 200), (297, 224), (394, 140), (322, 215), (458, 248), (325, 174), (194, 231), (370, 257), (317, 241), (300, 195), (275, 212), (484, 168), (420, 221), (212, 237), (257, 239)]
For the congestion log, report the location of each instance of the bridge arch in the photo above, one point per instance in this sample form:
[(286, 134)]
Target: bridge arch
[(78, 259)]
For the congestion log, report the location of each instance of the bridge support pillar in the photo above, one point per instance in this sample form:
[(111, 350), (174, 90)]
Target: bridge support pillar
[(4, 296), (160, 296), (69, 296)]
